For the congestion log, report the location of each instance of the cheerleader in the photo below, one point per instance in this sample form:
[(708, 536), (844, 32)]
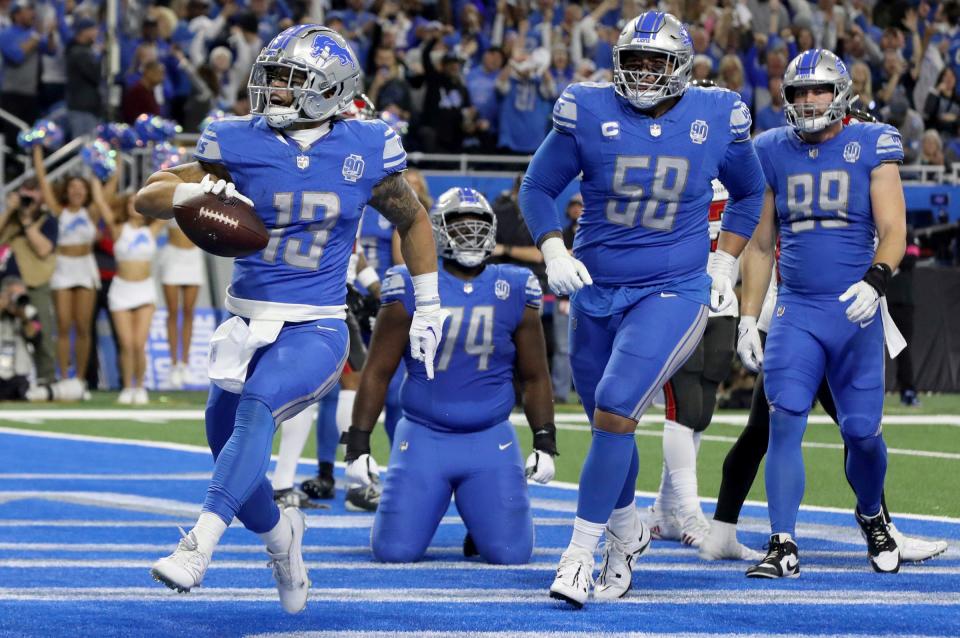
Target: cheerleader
[(181, 273)]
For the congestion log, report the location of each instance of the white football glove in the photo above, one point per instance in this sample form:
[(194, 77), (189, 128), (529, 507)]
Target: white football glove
[(540, 467), (209, 184), (866, 299), (426, 330), (720, 267), (565, 273), (749, 346), (363, 471)]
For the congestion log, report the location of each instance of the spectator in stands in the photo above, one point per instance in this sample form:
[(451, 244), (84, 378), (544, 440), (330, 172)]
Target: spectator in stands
[(30, 232), (246, 41), (527, 95), (909, 123), (702, 68), (941, 110), (561, 72), (862, 81), (132, 297), (560, 364), (84, 104), (481, 82), (389, 86), (894, 76), (21, 45), (204, 28), (731, 76), (447, 115), (772, 115), (141, 97), (204, 95), (75, 278), (931, 149), (514, 243)]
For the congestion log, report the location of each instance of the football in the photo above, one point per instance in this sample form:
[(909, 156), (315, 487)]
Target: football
[(221, 226)]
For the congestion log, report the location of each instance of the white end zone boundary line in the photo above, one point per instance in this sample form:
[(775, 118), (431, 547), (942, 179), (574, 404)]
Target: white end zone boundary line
[(197, 449)]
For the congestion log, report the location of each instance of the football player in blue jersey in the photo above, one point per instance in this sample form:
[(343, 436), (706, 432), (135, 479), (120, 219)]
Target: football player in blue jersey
[(309, 174), (455, 436), (832, 190), (640, 278)]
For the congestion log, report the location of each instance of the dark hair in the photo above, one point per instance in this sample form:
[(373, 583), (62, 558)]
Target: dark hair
[(64, 185)]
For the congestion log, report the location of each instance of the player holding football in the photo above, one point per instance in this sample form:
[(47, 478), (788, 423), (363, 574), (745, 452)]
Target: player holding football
[(831, 190), (455, 436), (309, 175), (648, 147)]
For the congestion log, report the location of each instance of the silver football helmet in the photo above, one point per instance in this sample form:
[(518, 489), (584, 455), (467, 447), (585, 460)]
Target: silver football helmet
[(311, 63), (467, 241), (816, 67), (659, 33)]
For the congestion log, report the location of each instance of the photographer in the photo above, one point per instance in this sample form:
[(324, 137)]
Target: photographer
[(31, 234), (19, 329)]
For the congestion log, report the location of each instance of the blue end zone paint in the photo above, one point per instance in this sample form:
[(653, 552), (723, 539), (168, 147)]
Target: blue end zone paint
[(47, 581)]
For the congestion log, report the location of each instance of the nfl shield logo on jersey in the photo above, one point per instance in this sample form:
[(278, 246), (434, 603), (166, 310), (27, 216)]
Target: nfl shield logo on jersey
[(655, 130), (352, 168), (698, 132), (851, 152), (303, 162), (501, 289)]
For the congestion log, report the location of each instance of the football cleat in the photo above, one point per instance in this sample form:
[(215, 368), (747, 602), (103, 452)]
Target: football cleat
[(574, 577), (323, 487), (694, 528), (782, 559), (909, 399), (916, 550), (364, 498), (619, 555), (289, 570), (664, 525), (184, 568), (721, 543), (882, 547), (294, 497)]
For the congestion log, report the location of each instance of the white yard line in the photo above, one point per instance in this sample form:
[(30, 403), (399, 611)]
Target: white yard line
[(477, 595)]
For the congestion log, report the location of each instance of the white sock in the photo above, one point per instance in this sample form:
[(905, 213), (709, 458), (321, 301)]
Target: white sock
[(623, 521), (345, 409), (680, 457), (696, 443), (208, 531), (666, 501), (279, 538), (719, 529), (293, 437), (586, 535)]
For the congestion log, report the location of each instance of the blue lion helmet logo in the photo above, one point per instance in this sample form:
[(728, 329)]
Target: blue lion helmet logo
[(325, 47)]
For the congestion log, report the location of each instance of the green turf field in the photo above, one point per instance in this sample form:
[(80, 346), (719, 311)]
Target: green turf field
[(916, 484)]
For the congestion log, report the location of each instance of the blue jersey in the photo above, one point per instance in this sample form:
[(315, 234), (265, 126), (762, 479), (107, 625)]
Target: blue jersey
[(473, 384), (376, 239), (647, 182), (823, 203), (310, 201)]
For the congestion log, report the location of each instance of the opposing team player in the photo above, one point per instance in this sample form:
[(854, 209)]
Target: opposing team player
[(690, 400), (455, 436), (648, 147), (743, 460), (831, 190), (308, 174)]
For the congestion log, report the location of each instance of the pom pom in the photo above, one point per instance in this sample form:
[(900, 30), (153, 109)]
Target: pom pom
[(166, 155), (44, 133), (395, 122), (119, 135), (153, 128), (101, 159)]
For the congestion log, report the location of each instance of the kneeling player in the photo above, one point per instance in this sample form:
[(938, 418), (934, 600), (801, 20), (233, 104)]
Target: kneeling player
[(455, 436)]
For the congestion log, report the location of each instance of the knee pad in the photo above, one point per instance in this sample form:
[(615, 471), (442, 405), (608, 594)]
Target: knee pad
[(859, 429), (791, 399)]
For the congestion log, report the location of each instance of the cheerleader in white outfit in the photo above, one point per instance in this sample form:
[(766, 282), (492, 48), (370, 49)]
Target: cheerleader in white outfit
[(182, 274), (132, 297), (75, 277)]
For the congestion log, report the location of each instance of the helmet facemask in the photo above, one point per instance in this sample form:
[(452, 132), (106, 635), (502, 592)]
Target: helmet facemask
[(467, 237), (811, 117), (646, 76)]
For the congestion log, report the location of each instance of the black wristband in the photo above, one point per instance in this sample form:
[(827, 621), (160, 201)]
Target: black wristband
[(358, 444), (879, 276), (545, 439)]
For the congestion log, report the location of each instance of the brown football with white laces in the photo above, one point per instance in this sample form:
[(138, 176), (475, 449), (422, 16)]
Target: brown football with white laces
[(221, 226)]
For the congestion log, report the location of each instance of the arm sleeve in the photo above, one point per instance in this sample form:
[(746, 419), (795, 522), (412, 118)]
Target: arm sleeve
[(395, 288), (743, 176), (554, 165)]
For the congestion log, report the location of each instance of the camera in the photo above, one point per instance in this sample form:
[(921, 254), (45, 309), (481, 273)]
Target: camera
[(22, 303)]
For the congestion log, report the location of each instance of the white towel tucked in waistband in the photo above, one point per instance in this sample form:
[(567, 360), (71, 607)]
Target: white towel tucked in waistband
[(232, 346)]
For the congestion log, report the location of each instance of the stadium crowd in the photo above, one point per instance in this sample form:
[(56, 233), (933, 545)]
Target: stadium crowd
[(451, 75)]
